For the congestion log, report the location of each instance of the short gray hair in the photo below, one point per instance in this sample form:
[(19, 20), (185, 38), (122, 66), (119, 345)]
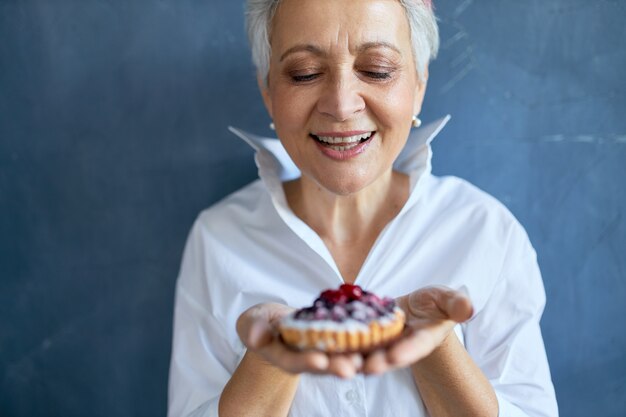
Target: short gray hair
[(419, 13)]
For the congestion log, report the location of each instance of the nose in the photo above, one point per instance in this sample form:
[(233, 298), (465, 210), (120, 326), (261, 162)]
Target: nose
[(340, 98)]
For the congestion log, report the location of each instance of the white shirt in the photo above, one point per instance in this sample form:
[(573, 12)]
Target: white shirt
[(251, 248)]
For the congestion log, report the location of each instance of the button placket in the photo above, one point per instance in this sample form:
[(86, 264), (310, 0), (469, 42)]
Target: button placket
[(352, 396), (355, 396)]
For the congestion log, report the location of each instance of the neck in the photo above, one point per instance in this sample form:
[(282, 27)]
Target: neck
[(348, 219)]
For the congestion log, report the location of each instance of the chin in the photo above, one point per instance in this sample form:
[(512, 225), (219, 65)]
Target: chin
[(343, 179), (343, 186)]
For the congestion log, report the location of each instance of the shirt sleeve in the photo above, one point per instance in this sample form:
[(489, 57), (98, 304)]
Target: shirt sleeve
[(201, 355), (504, 338)]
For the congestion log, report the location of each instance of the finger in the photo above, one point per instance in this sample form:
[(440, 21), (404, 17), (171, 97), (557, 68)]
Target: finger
[(418, 344), (259, 334), (257, 325), (409, 351), (454, 304), (357, 361), (403, 302), (428, 303), (459, 308), (293, 361), (376, 363), (344, 366)]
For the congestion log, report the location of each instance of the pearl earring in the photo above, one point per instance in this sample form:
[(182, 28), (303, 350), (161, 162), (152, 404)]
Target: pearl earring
[(416, 121), (272, 126)]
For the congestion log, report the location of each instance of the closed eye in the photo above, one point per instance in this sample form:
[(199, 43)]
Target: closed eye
[(377, 75), (304, 78)]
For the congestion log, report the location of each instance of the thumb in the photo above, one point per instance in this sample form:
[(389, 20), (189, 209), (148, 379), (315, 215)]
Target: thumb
[(259, 334), (459, 307), (253, 327)]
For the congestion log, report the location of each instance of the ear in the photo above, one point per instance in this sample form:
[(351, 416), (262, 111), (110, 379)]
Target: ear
[(420, 90), (265, 93)]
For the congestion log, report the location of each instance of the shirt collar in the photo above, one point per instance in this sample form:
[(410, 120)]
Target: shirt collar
[(275, 166)]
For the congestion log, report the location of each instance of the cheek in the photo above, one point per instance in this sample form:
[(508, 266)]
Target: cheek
[(291, 113), (393, 106), (291, 110), (399, 103)]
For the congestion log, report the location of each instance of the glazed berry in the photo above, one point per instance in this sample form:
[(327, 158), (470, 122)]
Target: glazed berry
[(327, 295), (320, 314), (360, 315), (334, 296), (339, 313), (305, 313), (371, 299), (353, 292)]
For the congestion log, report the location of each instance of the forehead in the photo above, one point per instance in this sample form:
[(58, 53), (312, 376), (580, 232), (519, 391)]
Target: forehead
[(339, 25)]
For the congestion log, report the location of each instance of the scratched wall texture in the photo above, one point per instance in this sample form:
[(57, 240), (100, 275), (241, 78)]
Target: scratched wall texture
[(537, 92), (113, 137)]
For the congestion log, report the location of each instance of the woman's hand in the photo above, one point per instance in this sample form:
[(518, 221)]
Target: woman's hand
[(431, 314), (258, 329)]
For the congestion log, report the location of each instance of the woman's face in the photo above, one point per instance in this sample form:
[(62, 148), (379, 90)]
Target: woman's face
[(342, 88)]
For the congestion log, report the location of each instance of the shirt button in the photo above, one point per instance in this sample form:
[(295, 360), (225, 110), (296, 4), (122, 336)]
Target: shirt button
[(352, 396)]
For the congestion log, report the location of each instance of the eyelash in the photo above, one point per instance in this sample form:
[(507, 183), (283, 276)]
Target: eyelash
[(304, 78), (378, 76)]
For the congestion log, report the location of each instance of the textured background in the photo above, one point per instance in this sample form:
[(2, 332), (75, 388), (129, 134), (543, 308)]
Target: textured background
[(113, 137)]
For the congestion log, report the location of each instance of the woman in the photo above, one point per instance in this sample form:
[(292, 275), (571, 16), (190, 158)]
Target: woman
[(354, 201)]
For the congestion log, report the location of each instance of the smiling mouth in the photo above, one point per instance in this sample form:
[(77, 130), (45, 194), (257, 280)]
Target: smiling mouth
[(343, 143)]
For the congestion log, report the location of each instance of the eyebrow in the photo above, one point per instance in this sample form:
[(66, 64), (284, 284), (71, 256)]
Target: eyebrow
[(380, 44), (300, 48), (319, 52)]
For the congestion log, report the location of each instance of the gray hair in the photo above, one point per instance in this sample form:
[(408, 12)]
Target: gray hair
[(419, 13)]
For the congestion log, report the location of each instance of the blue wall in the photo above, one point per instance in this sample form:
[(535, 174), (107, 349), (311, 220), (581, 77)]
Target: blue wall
[(113, 137)]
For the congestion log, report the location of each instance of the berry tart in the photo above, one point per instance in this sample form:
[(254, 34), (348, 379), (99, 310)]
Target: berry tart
[(348, 319)]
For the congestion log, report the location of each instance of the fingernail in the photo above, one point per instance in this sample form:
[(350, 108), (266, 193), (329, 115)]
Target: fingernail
[(357, 361)]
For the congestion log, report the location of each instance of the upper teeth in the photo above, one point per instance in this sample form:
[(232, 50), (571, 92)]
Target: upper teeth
[(346, 139)]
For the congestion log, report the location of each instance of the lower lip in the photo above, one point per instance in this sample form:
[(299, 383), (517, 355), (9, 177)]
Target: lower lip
[(348, 153)]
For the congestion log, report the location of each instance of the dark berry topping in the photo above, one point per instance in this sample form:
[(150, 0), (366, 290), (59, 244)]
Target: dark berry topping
[(353, 292), (334, 296), (348, 302)]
